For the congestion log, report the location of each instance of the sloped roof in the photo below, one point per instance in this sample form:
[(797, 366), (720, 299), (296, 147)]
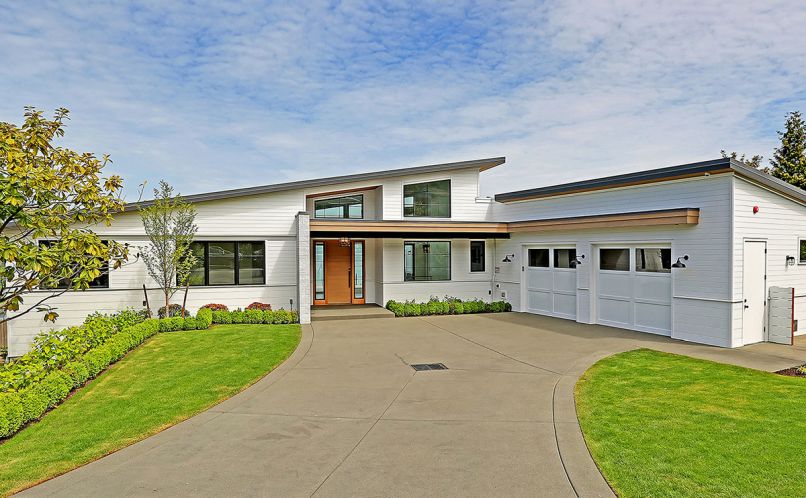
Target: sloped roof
[(481, 164)]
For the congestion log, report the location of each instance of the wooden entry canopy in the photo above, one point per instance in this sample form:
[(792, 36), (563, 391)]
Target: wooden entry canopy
[(502, 230)]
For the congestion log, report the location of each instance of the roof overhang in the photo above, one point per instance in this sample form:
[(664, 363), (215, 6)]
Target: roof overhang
[(404, 228), (717, 166), (678, 216), (480, 164), (494, 230)]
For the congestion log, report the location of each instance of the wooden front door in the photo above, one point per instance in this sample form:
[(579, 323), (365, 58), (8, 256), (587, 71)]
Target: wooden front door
[(338, 272)]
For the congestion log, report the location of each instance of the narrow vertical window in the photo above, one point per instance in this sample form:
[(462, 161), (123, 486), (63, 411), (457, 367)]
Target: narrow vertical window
[(358, 270), (477, 255), (319, 273)]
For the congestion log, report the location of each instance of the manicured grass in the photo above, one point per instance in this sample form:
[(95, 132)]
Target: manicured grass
[(169, 378), (665, 425)]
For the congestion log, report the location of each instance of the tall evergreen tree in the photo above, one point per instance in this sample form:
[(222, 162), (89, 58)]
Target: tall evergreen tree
[(789, 160)]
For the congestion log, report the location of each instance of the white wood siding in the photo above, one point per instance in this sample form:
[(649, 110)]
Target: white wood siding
[(701, 304), (780, 222), (464, 284)]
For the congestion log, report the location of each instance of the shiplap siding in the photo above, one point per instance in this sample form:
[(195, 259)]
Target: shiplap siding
[(701, 303), (780, 222), (269, 217)]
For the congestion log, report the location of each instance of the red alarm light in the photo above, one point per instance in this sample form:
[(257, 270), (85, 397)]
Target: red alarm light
[(755, 209)]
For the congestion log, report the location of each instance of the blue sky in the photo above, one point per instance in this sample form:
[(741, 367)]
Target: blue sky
[(222, 94)]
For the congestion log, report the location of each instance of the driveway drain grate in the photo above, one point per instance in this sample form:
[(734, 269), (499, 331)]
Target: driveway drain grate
[(420, 367)]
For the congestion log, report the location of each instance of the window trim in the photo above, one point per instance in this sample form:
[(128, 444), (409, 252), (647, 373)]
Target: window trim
[(450, 260), (483, 256), (801, 240), (450, 198), (342, 217), (237, 243)]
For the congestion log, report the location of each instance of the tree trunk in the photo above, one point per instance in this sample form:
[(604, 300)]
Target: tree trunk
[(167, 305)]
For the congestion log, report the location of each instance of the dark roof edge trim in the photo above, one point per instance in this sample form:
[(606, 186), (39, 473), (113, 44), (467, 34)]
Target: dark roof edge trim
[(652, 175), (482, 164)]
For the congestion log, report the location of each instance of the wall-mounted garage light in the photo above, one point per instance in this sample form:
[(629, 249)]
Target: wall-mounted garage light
[(577, 261), (680, 264), (508, 258), (790, 261)]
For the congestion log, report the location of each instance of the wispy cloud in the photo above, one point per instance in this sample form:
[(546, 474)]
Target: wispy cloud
[(222, 94)]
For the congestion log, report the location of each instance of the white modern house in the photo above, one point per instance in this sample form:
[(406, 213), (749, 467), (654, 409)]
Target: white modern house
[(687, 251)]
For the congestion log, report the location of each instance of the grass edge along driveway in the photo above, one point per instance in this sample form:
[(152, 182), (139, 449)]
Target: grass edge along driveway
[(168, 379), (660, 424)]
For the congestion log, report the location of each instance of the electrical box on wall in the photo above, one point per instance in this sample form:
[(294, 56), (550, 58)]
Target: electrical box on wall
[(503, 294)]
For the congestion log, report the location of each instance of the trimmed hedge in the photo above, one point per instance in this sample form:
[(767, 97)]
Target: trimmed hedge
[(255, 316), (52, 350), (449, 306), (17, 408), (65, 360)]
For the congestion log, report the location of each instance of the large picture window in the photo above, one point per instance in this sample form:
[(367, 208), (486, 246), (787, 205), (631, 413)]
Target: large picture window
[(427, 200), (351, 206), (802, 251), (426, 261), (99, 282), (228, 263)]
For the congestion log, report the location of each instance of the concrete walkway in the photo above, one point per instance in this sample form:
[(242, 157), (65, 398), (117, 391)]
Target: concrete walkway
[(347, 416)]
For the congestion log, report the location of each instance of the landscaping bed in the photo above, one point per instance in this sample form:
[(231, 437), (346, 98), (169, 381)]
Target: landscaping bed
[(171, 377), (799, 371), (446, 306), (659, 424)]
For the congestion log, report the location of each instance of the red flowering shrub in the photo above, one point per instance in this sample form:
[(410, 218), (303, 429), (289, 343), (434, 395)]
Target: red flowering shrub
[(259, 306), (216, 307)]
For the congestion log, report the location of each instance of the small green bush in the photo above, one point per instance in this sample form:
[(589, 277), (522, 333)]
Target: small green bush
[(205, 317), (282, 316), (173, 310), (253, 315), (222, 316), (237, 316)]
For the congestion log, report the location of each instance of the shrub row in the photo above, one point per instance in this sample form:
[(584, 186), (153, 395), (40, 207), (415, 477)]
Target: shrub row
[(54, 349), (256, 316), (448, 306), (17, 408)]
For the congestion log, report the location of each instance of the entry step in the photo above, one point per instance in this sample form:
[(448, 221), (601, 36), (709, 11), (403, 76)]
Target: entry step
[(349, 312)]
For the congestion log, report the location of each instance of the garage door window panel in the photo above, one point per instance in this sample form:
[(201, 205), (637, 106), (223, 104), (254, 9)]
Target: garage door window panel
[(538, 258), (565, 258), (614, 259), (653, 260)]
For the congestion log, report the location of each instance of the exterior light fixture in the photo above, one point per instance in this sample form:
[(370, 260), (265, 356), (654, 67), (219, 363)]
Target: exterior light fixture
[(679, 263), (790, 261), (578, 261), (344, 241), (508, 258), (426, 248)]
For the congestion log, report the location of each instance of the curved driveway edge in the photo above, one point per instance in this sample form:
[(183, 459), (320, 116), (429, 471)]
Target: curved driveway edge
[(346, 415)]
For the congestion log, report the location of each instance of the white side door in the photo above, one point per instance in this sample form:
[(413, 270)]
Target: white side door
[(754, 290), (551, 281)]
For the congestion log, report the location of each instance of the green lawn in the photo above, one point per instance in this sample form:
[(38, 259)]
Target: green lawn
[(169, 378), (665, 425)]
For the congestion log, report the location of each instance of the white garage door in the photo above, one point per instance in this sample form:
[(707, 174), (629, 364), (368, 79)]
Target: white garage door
[(551, 281), (634, 288)]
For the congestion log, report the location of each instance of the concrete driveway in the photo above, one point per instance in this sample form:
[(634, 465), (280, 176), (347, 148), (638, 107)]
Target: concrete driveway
[(347, 416)]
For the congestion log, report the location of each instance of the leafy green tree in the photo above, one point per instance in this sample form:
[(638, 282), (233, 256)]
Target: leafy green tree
[(754, 162), (789, 160), (49, 193), (169, 223)]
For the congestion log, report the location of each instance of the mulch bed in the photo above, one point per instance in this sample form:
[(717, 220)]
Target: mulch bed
[(792, 372)]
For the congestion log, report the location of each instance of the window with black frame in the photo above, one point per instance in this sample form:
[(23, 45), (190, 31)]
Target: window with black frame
[(477, 256), (426, 261), (99, 282), (427, 200), (350, 207), (228, 263)]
